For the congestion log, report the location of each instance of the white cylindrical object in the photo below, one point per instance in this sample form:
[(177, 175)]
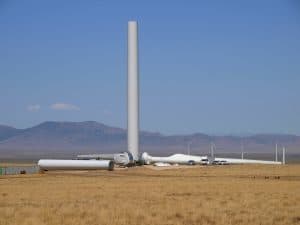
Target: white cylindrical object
[(133, 91), (59, 164)]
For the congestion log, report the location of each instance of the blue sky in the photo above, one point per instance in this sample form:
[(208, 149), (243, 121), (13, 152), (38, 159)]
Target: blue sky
[(218, 67)]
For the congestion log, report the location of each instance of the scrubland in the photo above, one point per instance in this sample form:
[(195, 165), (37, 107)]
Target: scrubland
[(253, 194)]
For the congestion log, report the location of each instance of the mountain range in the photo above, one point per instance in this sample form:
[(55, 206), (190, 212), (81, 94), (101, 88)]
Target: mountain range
[(72, 138)]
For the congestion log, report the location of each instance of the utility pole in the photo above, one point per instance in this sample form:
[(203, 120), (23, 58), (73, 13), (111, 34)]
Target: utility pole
[(189, 148), (212, 145), (276, 152), (242, 149)]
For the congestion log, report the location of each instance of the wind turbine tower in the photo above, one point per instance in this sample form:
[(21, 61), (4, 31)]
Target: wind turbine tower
[(133, 90)]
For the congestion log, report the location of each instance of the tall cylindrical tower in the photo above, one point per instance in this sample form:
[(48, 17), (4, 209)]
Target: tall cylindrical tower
[(133, 91)]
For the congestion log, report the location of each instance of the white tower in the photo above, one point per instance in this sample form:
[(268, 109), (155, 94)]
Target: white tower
[(283, 155), (133, 91)]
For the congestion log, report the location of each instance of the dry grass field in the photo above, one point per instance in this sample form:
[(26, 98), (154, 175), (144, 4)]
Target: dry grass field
[(199, 195)]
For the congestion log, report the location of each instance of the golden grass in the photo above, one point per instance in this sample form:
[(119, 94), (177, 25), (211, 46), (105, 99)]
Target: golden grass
[(200, 195)]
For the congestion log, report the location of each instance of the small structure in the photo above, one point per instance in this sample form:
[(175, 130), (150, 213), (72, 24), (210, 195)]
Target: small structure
[(14, 170)]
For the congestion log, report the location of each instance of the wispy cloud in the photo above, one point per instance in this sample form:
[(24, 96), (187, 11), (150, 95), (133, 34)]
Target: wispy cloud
[(33, 108), (64, 106), (106, 112)]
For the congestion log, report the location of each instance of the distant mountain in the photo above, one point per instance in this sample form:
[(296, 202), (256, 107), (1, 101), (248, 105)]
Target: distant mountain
[(7, 132), (65, 137), (71, 138)]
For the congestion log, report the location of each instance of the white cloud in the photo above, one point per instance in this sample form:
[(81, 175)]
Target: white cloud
[(64, 106), (33, 108)]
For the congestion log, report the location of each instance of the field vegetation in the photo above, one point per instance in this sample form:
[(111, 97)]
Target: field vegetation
[(198, 195)]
